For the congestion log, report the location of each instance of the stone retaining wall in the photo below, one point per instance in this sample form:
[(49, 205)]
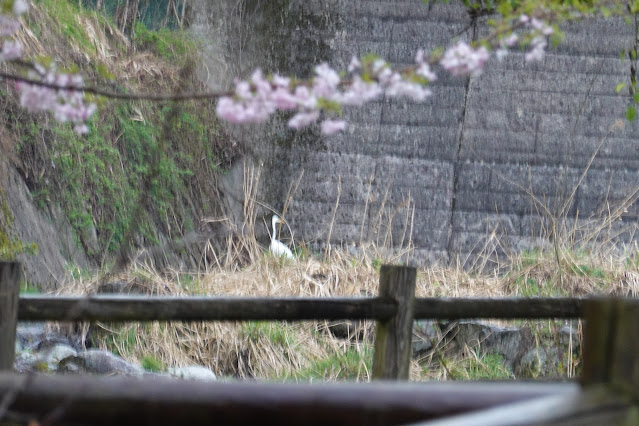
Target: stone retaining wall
[(468, 159)]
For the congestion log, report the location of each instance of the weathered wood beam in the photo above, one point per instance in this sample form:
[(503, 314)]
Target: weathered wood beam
[(599, 341), (150, 308), (590, 407), (9, 291), (393, 337), (161, 401), (144, 308), (611, 346), (498, 308)]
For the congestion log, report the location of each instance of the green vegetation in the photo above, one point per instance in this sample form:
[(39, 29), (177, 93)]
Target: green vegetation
[(190, 284), (377, 264), (354, 364), (66, 23), (150, 363), (78, 273), (172, 45), (587, 271), (545, 273), (531, 287), (41, 367), (480, 367), (277, 333), (117, 338), (27, 288), (145, 168), (530, 258), (10, 245)]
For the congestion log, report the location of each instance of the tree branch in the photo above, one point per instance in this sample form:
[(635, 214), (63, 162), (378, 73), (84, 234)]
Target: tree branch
[(116, 95)]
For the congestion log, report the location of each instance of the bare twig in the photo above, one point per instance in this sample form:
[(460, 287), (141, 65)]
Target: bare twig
[(327, 252)]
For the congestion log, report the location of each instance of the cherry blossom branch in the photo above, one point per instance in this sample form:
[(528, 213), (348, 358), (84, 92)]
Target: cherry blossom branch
[(255, 100), (115, 95)]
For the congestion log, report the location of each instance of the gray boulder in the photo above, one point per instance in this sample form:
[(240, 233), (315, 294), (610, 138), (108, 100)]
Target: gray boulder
[(98, 362), (425, 333), (193, 372), (528, 353), (29, 334), (54, 354)]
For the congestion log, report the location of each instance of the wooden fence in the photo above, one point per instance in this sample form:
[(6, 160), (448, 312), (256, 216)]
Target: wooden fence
[(606, 392)]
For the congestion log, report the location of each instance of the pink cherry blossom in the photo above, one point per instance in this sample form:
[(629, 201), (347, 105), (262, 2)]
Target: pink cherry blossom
[(510, 40), (326, 81), (541, 26), (283, 99), (425, 71), (330, 127), (280, 81), (359, 92), (8, 25), (11, 50), (538, 49), (305, 97), (354, 65), (423, 68), (20, 7), (81, 129), (66, 105), (462, 59), (258, 98), (303, 119), (229, 110), (65, 101), (397, 87)]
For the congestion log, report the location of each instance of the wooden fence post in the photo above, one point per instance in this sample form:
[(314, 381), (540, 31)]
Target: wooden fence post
[(611, 347), (9, 292), (393, 338)]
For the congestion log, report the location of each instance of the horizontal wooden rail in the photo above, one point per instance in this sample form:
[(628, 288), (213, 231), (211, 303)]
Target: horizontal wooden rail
[(147, 308), (160, 401), (595, 406), (502, 308)]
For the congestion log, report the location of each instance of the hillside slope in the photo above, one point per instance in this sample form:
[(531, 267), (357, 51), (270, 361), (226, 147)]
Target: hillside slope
[(146, 173)]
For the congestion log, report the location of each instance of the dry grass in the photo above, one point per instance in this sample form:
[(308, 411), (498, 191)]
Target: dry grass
[(99, 41), (310, 350), (260, 350)]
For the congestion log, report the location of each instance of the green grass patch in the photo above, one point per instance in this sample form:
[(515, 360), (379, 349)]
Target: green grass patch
[(101, 178), (28, 288), (531, 287), (152, 364), (482, 367), (530, 258), (10, 245), (587, 271), (119, 339), (144, 169), (172, 45), (277, 333), (191, 284), (66, 15), (353, 364)]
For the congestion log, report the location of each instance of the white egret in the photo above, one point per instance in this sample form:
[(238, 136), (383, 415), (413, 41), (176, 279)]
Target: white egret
[(277, 247)]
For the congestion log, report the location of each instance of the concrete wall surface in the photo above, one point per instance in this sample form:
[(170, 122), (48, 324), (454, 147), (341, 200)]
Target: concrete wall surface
[(502, 153)]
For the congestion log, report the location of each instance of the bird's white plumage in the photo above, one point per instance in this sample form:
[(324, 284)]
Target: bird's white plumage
[(277, 247)]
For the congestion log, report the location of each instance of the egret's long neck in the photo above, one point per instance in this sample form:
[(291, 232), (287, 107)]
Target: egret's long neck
[(273, 234)]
